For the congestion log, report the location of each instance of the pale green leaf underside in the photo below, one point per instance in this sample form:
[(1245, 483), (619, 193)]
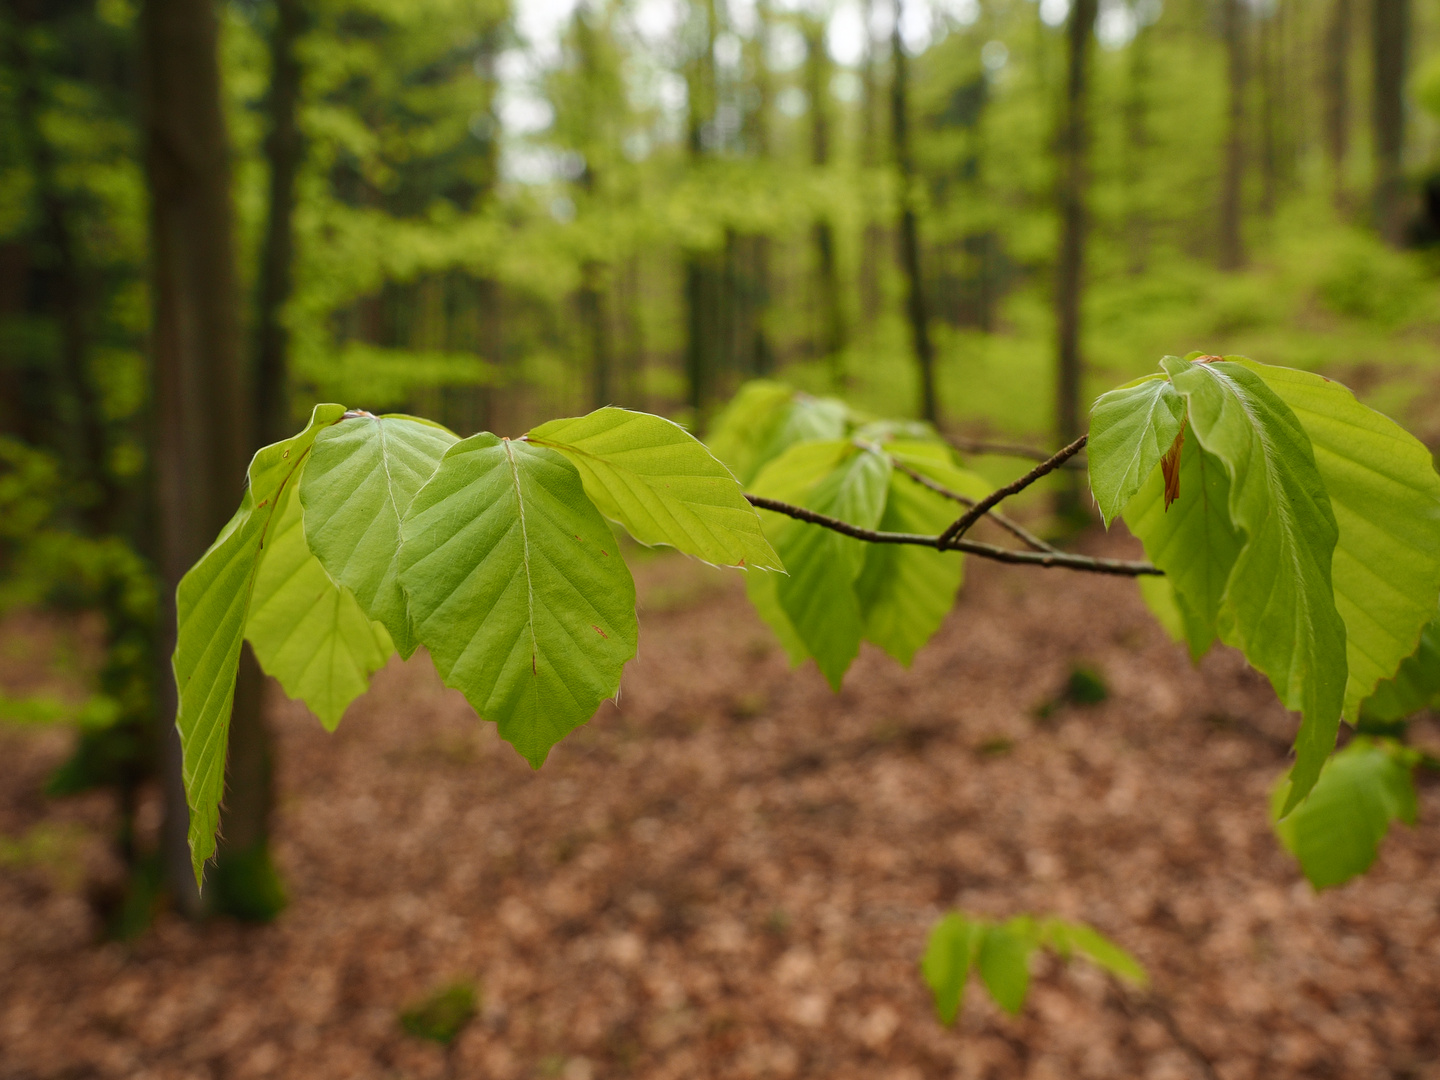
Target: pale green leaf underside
[(1279, 604), (517, 590), (1386, 498), (651, 476), (1131, 429), (1336, 832), (362, 474), (212, 603), (307, 632)]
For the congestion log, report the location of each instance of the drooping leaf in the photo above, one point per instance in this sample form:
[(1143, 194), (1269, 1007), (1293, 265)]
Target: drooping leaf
[(1004, 961), (1386, 498), (1131, 429), (1336, 832), (362, 474), (212, 603), (1279, 604), (1070, 938), (654, 478), (818, 595), (1414, 686), (905, 591), (949, 955), (517, 590), (1193, 541), (765, 419), (308, 632)]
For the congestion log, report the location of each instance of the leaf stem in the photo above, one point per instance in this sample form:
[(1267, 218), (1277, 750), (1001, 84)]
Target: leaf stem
[(980, 509), (1066, 559), (1014, 528)]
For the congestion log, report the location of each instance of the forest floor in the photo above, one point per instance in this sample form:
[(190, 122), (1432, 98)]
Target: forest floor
[(733, 873)]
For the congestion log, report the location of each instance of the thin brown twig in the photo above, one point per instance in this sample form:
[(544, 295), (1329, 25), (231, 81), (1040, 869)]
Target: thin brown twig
[(980, 509), (1014, 528), (1004, 449), (1066, 559)]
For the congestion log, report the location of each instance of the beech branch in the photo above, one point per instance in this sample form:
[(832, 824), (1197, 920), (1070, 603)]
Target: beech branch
[(983, 507), (1014, 528), (1066, 559), (1004, 449)]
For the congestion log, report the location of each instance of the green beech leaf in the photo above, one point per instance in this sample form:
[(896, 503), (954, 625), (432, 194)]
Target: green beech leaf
[(362, 475), (517, 589), (765, 419), (1414, 686), (1386, 498), (1336, 832), (1070, 938), (948, 958), (1193, 541), (1131, 429), (905, 591), (308, 632), (1004, 962), (211, 604), (818, 595), (654, 478), (1279, 604)]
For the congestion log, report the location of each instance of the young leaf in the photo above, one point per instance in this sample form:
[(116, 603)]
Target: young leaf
[(948, 958), (308, 632), (1279, 604), (1386, 498), (767, 418), (517, 590), (211, 604), (1069, 938), (654, 478), (905, 591), (1131, 429), (1193, 541), (1004, 962), (1336, 832), (1413, 687), (818, 596), (361, 477)]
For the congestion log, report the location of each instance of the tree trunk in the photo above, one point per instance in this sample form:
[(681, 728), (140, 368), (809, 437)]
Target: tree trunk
[(1336, 86), (597, 330), (1137, 148), (284, 152), (200, 405), (915, 305), (1232, 181), (1269, 115), (832, 335), (1390, 42), (1071, 191)]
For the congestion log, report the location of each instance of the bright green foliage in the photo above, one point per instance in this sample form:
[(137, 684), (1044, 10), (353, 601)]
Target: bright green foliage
[(658, 481), (308, 632), (1414, 686), (212, 605), (1001, 953), (1131, 429), (1336, 832), (1386, 498), (361, 477), (767, 418), (842, 480), (517, 589)]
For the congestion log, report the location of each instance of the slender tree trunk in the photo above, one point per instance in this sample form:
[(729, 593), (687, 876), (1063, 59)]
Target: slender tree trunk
[(915, 305), (1336, 86), (1269, 118), (199, 393), (1072, 191), (594, 318), (832, 336), (1137, 147), (284, 152), (1232, 180), (1391, 45), (700, 269), (873, 238)]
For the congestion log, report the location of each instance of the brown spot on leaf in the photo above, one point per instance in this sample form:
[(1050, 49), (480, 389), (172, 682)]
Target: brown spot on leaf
[(1207, 359), (602, 633), (1170, 466)]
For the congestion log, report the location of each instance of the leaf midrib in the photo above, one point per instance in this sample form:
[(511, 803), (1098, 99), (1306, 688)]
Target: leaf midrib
[(524, 556)]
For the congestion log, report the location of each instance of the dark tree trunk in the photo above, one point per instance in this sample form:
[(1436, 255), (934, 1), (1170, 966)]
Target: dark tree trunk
[(284, 152), (199, 392), (915, 305), (833, 332), (1390, 40), (1232, 179), (1336, 86), (1269, 114), (1071, 192)]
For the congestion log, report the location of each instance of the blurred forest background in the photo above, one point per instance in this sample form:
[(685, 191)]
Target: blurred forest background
[(977, 211)]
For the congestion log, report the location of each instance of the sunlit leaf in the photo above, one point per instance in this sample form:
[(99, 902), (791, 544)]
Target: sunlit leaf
[(1004, 962), (949, 955), (1414, 686), (1131, 429), (765, 419), (1070, 938)]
